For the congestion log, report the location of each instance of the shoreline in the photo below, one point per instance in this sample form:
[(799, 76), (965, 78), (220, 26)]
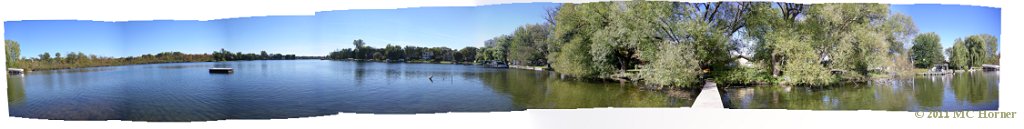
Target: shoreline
[(535, 68), (691, 92), (100, 66)]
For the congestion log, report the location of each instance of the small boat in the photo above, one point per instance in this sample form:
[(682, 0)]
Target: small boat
[(990, 67), (495, 64), (394, 61), (502, 65), (15, 71), (222, 70)]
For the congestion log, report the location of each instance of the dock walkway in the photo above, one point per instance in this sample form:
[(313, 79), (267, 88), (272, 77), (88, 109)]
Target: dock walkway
[(709, 97)]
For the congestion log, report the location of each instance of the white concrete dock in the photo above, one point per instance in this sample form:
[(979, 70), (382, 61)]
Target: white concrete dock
[(709, 97)]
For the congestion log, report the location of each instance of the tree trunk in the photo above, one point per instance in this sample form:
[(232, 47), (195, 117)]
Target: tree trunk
[(775, 66)]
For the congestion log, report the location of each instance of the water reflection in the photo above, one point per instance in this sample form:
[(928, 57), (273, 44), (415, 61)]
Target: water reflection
[(15, 90), (967, 91), (974, 88), (929, 91), (533, 89), (184, 66), (303, 88)]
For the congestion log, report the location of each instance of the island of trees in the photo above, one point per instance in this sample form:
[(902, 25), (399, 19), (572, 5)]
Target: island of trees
[(46, 61)]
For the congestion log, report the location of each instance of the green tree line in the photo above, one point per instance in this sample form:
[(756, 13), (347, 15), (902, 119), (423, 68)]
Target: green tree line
[(680, 44), (47, 61), (224, 55), (408, 53), (973, 51)]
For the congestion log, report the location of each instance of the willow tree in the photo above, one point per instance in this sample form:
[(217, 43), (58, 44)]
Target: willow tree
[(606, 39), (958, 55), (763, 22), (848, 38), (803, 43), (634, 32), (12, 50), (991, 47), (671, 48), (671, 43), (714, 24), (675, 66), (784, 43), (982, 49), (574, 28), (973, 51), (498, 47), (794, 58), (528, 45), (900, 29)]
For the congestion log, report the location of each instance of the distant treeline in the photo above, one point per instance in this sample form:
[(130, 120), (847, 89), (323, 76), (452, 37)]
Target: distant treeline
[(526, 46), (224, 55), (407, 53), (966, 53), (47, 61)]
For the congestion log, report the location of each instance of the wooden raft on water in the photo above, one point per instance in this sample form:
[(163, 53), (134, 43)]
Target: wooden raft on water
[(222, 70)]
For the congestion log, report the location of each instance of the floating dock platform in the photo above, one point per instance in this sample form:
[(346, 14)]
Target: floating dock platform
[(222, 70)]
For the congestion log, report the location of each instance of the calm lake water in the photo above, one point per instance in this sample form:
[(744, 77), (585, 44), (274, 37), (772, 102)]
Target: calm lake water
[(958, 92), (303, 88)]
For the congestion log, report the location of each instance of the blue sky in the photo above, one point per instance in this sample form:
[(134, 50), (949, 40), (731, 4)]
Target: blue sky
[(454, 27)]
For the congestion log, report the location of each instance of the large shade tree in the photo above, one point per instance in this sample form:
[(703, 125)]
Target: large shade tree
[(927, 51)]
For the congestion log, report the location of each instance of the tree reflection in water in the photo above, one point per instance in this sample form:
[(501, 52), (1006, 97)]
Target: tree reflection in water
[(963, 91)]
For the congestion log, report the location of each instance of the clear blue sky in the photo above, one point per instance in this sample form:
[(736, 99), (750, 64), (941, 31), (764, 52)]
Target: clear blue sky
[(454, 27)]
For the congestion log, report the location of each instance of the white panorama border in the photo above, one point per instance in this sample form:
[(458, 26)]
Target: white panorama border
[(125, 10)]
